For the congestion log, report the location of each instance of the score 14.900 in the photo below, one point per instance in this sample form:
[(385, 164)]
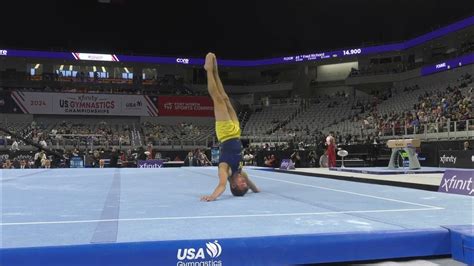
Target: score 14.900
[(352, 51)]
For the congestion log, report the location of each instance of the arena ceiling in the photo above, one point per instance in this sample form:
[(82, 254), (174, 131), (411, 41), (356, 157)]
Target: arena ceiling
[(240, 29)]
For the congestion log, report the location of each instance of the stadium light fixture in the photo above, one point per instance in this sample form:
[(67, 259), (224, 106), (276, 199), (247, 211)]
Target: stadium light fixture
[(94, 68), (126, 70), (104, 70), (37, 66), (61, 67)]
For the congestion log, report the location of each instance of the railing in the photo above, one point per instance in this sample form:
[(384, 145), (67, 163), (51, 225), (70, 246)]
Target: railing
[(270, 139), (136, 138), (92, 142), (183, 144), (450, 130), (447, 130), (86, 141)]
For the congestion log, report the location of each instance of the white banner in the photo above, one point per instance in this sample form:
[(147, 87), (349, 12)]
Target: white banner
[(95, 57), (85, 104)]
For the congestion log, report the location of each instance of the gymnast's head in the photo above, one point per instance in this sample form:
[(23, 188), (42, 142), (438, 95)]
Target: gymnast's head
[(238, 184)]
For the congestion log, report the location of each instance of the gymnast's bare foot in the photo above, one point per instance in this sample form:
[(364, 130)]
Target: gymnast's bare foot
[(210, 62)]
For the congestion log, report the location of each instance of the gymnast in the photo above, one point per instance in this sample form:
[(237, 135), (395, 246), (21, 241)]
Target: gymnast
[(228, 134)]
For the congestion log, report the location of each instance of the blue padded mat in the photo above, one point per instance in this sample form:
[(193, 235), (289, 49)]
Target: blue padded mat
[(154, 217)]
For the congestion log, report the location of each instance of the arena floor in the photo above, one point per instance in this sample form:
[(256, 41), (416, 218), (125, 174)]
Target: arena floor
[(154, 217)]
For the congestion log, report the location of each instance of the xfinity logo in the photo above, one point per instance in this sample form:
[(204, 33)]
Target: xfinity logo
[(182, 60), (442, 65), (445, 159), (457, 184), (3, 52), (150, 165), (87, 98), (197, 256)]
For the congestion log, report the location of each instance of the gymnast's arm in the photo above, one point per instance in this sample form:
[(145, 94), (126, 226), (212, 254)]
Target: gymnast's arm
[(223, 174), (251, 185)]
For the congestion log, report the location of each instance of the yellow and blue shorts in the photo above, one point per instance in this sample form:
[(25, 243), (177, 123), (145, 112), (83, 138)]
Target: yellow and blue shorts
[(228, 134), (228, 129)]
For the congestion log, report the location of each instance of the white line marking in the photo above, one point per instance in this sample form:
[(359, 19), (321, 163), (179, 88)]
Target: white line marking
[(8, 177), (214, 217), (348, 192)]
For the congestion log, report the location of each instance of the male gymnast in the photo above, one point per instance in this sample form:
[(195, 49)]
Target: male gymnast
[(228, 134)]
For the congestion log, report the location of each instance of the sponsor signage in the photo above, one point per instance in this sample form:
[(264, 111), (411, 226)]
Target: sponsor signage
[(150, 164), (442, 65), (447, 160), (185, 106), (3, 52), (287, 164), (447, 65), (182, 61), (457, 181), (84, 104), (95, 57), (208, 254), (456, 159)]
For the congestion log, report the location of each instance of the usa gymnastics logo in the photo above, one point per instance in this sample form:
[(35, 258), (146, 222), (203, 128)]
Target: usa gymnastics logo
[(197, 257), (213, 249)]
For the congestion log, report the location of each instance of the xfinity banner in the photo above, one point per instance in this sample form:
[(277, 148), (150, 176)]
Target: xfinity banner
[(457, 182), (84, 104), (150, 164), (456, 159)]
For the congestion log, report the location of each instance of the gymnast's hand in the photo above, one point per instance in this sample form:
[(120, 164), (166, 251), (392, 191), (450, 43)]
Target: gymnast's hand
[(208, 198), (223, 173)]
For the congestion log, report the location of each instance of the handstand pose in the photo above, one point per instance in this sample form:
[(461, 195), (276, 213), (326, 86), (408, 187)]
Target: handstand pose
[(228, 134)]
